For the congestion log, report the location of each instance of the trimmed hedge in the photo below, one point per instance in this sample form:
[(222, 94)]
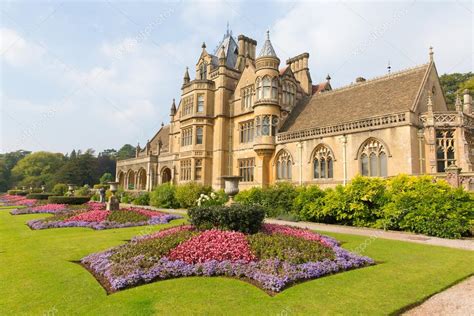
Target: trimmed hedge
[(17, 192), (39, 196), (237, 217), (68, 199)]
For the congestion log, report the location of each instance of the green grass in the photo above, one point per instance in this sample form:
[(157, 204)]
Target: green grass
[(38, 276)]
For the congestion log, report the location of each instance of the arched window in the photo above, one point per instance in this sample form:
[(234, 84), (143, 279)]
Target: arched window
[(284, 165), (323, 163), (266, 125), (373, 159), (258, 84), (275, 88)]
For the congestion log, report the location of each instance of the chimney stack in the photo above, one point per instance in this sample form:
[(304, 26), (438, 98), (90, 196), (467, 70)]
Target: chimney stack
[(247, 49), (467, 107), (299, 66)]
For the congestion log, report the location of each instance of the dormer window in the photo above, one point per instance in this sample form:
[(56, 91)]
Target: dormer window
[(289, 92)]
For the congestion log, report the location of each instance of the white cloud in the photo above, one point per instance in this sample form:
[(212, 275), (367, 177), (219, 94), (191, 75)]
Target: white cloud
[(17, 50)]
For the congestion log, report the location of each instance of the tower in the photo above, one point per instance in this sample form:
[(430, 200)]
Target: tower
[(266, 108)]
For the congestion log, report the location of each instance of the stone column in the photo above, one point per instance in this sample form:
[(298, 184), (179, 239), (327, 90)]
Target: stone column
[(453, 175)]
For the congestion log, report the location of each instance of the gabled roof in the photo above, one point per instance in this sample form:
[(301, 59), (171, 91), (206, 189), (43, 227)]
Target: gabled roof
[(396, 92), (230, 48)]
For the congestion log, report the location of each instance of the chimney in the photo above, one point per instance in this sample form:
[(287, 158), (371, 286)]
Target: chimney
[(467, 107), (299, 66), (247, 48), (360, 79)]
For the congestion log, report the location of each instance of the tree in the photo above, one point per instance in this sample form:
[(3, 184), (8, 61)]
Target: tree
[(37, 168), (79, 171), (455, 83), (127, 151), (106, 177), (108, 152), (7, 162)]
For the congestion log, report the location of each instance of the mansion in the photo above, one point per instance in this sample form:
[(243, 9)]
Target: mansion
[(248, 115)]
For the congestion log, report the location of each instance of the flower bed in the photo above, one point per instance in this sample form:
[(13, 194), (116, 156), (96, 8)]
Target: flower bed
[(97, 218), (47, 208), (12, 200), (273, 259)]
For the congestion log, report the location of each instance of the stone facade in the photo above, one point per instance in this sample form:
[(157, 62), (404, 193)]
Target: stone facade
[(246, 115)]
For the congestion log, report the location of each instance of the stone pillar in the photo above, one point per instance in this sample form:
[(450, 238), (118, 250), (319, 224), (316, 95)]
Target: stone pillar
[(453, 175)]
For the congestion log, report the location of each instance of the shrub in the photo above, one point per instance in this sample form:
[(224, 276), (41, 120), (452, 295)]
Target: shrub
[(308, 202), (126, 216), (188, 194), (419, 205), (100, 186), (59, 189), (68, 199), (244, 218), (276, 199), (17, 192), (213, 199), (83, 191), (142, 199), (39, 196), (164, 196)]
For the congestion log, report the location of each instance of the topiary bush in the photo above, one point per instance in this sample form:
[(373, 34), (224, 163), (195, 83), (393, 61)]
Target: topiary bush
[(164, 196), (59, 189), (143, 198), (39, 196), (188, 194), (237, 217), (68, 199)]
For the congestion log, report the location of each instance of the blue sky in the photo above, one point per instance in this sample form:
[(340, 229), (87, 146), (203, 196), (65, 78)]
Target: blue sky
[(90, 74)]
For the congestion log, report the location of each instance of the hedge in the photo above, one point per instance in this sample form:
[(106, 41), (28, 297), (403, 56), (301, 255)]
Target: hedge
[(39, 196), (17, 192), (68, 199)]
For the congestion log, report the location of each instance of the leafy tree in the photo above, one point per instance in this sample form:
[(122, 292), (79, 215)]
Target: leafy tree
[(106, 177), (455, 83), (79, 171), (37, 168), (105, 164), (127, 151), (108, 152), (3, 176)]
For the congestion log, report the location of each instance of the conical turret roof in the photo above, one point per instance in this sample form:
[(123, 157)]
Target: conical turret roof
[(267, 49)]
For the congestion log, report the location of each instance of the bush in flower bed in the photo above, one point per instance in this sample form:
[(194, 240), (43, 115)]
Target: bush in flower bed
[(47, 208), (274, 258), (39, 196), (243, 218), (17, 192), (96, 217)]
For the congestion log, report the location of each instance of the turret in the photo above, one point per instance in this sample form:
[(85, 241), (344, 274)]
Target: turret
[(467, 107), (173, 110)]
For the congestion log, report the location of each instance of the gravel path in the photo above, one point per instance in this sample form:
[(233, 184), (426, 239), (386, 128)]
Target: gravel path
[(457, 300)]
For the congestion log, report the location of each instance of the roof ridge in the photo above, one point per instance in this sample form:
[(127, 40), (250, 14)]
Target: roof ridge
[(374, 79)]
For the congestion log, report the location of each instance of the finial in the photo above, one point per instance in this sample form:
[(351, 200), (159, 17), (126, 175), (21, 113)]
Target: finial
[(458, 103), (227, 30), (328, 78), (186, 76), (162, 124), (203, 45), (431, 53), (268, 34), (389, 68), (173, 108)]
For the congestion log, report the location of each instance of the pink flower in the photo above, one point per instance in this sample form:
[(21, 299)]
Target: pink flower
[(214, 245), (95, 206), (166, 232), (90, 216), (145, 212), (295, 232), (49, 207)]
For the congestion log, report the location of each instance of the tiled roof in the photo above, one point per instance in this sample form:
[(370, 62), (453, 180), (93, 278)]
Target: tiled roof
[(323, 86), (383, 95), (267, 48)]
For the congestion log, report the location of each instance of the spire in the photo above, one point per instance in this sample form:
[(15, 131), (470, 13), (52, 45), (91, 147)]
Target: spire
[(431, 54), (173, 108), (458, 103), (221, 56), (267, 49), (186, 76), (203, 46), (328, 78)]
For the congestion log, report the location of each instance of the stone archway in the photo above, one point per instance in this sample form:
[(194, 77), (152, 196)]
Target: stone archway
[(166, 175), (121, 179), (130, 180), (141, 177)]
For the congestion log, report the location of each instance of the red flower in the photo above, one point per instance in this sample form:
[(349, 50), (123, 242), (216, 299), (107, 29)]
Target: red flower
[(90, 216), (295, 232), (213, 245)]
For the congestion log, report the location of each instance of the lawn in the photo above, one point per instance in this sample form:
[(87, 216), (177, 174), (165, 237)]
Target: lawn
[(38, 276)]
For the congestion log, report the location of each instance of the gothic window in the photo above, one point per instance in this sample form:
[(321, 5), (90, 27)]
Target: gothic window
[(258, 84), (246, 131), (247, 97), (185, 170), (323, 167), (266, 125), (444, 149), (187, 136), (200, 105), (284, 164), (203, 71), (187, 105), (199, 135), (275, 88), (289, 92), (246, 169), (197, 169), (274, 124), (373, 159), (258, 124)]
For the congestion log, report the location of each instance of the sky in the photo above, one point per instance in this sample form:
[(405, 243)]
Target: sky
[(100, 74)]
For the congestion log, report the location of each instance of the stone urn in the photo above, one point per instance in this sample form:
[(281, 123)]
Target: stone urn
[(113, 204), (70, 189), (43, 188), (231, 187)]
